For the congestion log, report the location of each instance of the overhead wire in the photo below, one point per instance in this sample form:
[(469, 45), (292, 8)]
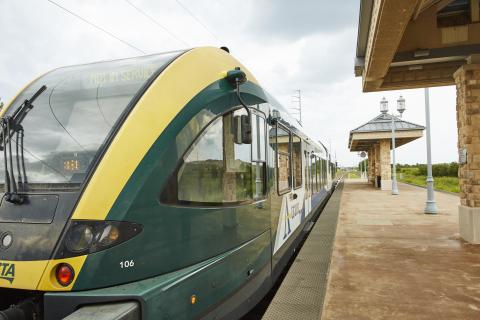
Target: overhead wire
[(198, 20), (204, 26), (149, 17), (96, 26)]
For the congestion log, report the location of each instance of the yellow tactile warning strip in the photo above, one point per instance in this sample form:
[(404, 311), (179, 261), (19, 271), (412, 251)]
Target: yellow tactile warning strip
[(302, 291)]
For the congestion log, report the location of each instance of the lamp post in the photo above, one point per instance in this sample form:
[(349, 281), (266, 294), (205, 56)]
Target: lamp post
[(430, 207), (364, 169), (384, 110)]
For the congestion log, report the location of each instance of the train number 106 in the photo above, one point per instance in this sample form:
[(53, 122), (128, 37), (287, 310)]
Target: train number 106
[(127, 264)]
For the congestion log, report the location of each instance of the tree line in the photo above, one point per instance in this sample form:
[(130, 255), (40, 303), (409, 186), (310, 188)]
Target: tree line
[(420, 169), (438, 169)]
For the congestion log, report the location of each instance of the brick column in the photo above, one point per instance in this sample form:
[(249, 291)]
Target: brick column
[(385, 169), (377, 164), (467, 80), (371, 166)]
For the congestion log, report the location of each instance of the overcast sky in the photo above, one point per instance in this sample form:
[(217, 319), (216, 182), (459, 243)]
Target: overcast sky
[(288, 45)]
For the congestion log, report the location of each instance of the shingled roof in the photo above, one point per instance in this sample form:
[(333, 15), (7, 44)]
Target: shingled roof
[(383, 122), (367, 135)]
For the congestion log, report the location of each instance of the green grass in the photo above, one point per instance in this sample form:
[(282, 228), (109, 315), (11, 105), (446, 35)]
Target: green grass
[(353, 175), (449, 184)]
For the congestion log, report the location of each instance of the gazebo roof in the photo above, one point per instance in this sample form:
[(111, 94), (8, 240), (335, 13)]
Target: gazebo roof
[(365, 136), (383, 122)]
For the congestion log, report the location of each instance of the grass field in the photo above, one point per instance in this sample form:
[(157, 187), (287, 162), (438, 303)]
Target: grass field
[(353, 175), (449, 184)]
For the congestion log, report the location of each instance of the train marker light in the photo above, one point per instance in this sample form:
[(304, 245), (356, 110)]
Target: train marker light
[(193, 299), (64, 274), (7, 240)]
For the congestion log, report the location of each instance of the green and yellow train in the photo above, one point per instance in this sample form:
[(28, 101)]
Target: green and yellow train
[(173, 181)]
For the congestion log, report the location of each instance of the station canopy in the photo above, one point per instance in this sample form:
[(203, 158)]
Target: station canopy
[(405, 44), (367, 135)]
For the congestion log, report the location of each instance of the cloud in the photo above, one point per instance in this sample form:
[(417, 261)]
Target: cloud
[(292, 20)]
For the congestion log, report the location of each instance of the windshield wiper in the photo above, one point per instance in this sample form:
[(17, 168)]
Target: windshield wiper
[(10, 126)]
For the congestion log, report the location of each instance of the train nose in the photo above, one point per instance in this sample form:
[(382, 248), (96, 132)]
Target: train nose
[(29, 233)]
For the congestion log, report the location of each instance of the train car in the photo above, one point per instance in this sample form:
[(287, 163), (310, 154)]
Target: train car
[(173, 181)]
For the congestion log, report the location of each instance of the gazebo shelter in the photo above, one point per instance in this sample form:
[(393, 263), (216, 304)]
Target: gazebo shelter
[(375, 138)]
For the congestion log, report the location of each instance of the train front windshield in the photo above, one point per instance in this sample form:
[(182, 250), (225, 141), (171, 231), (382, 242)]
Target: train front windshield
[(71, 120)]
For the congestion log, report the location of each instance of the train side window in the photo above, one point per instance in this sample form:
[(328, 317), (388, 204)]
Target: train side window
[(259, 161), (297, 161), (325, 173), (318, 174), (314, 174), (216, 169), (321, 178), (322, 173), (307, 171), (283, 150)]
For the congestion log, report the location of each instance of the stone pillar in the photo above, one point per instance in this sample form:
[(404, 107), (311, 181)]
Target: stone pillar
[(385, 169), (371, 165), (377, 165), (467, 80)]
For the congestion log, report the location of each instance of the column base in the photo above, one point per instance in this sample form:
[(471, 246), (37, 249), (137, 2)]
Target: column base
[(469, 223), (386, 185)]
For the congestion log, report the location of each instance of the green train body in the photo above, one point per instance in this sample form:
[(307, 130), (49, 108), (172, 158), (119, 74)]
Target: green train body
[(136, 184)]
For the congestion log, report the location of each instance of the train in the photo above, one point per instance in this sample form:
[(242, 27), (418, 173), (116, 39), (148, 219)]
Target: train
[(172, 181)]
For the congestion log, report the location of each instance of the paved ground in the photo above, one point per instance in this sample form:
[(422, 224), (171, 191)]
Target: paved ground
[(391, 261)]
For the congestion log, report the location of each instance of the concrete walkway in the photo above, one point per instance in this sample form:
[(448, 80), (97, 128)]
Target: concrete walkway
[(391, 261)]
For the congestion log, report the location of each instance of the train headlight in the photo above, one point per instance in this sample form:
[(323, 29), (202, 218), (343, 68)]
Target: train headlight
[(109, 235), (79, 238), (88, 236)]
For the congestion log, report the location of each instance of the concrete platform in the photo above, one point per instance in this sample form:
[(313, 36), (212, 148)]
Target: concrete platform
[(389, 261)]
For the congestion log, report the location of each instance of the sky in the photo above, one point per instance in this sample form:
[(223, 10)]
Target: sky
[(288, 45)]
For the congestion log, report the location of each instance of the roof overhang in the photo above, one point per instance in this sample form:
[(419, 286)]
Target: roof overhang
[(363, 141), (414, 43)]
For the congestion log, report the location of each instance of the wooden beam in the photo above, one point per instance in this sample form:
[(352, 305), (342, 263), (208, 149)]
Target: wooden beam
[(474, 11), (422, 6), (418, 9), (443, 3), (428, 75)]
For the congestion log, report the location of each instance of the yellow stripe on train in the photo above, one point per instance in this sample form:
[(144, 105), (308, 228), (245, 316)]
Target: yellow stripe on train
[(28, 275)]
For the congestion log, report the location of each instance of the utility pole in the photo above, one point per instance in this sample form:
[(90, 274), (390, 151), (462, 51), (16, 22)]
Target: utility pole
[(297, 109)]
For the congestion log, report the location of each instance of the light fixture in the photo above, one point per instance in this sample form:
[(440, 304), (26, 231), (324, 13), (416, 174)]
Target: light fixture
[(384, 106), (401, 105)]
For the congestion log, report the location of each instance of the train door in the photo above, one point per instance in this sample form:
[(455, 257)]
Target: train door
[(289, 198), (298, 197)]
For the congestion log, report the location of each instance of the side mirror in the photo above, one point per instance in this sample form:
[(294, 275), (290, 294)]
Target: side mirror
[(242, 129)]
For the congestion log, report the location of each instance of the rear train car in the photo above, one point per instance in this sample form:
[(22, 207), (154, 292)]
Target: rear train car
[(171, 180)]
